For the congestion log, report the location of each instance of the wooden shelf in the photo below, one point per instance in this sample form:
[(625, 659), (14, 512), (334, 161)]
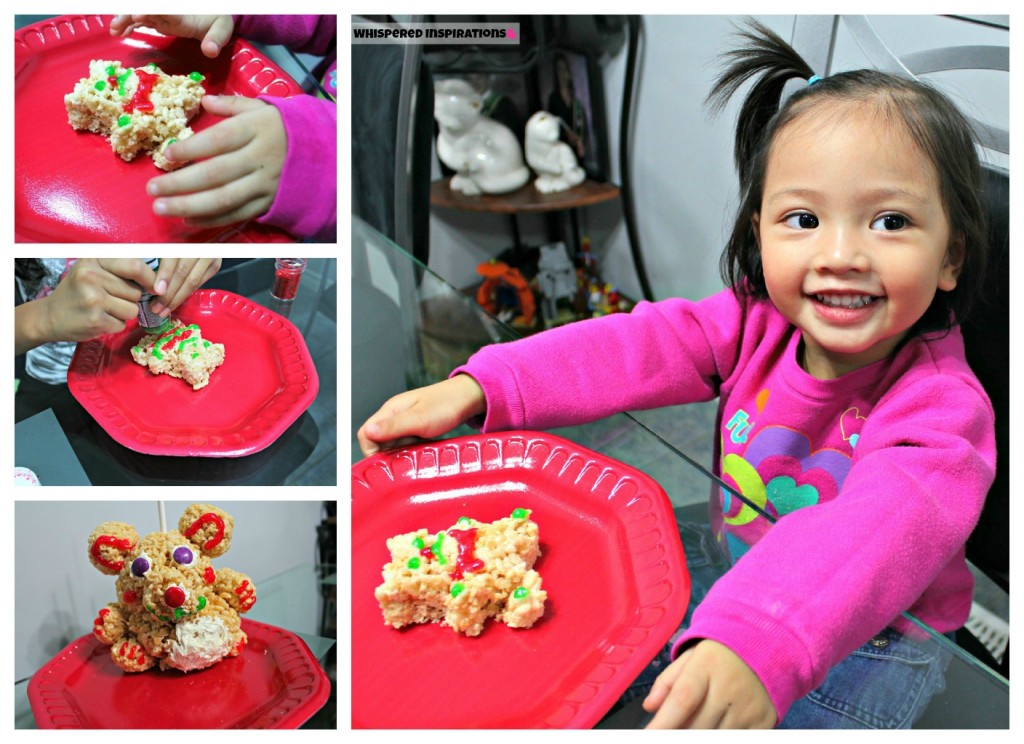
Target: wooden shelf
[(526, 199)]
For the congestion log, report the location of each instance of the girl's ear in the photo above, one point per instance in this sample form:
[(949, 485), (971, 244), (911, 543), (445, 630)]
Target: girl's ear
[(954, 264), (755, 227)]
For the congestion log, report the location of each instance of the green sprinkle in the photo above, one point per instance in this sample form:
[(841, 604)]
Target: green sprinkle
[(418, 543), (124, 120), (196, 76), (157, 354), (100, 84), (202, 603), (111, 70), (520, 513), (521, 592), (206, 344), (464, 521), (171, 141), (436, 549), (136, 348), (195, 355), (458, 588), (413, 563), (120, 82), (153, 66)]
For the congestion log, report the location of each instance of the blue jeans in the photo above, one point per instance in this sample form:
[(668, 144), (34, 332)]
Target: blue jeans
[(886, 683)]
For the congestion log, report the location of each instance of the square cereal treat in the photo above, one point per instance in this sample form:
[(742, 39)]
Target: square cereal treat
[(465, 574), (180, 352), (138, 109)]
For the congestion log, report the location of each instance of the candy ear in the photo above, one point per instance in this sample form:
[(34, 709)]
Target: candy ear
[(109, 545), (208, 527)]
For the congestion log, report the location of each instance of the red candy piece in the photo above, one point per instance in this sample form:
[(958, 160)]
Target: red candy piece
[(174, 597)]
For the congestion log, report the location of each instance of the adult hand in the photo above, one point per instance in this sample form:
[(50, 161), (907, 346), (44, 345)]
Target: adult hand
[(422, 413), (212, 31), (177, 278), (238, 179), (709, 686)]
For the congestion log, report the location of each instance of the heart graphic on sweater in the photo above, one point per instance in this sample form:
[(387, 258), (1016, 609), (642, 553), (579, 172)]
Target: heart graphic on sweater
[(786, 496), (850, 424)]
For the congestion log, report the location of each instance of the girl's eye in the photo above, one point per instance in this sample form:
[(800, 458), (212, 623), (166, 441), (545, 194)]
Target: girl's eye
[(801, 221), (140, 566), (183, 555), (889, 222)]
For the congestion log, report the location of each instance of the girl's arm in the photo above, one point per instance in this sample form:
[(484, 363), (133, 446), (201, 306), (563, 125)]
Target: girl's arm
[(306, 201), (661, 354), (826, 578), (310, 34)]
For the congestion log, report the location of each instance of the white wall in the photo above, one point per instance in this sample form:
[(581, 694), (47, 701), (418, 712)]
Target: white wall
[(57, 591), (682, 171)]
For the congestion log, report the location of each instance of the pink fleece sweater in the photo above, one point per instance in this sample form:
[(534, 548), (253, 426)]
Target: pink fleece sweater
[(306, 203), (877, 477)]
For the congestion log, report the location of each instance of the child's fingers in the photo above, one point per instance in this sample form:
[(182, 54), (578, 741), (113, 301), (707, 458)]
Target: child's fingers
[(119, 24), (218, 36), (231, 105), (214, 202), (207, 174)]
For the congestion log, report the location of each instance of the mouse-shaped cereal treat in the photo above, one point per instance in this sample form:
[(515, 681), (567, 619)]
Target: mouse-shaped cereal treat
[(173, 607)]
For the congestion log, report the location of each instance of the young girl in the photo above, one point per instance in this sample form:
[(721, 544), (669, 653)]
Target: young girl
[(847, 409), (273, 159)]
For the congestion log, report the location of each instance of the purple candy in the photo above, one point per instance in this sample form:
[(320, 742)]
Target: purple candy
[(182, 555), (139, 566)]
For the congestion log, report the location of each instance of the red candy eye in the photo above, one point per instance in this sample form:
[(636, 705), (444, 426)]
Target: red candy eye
[(130, 596), (209, 576)]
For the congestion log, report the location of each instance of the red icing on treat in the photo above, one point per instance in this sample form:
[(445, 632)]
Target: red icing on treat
[(98, 622), (207, 518), (121, 543), (209, 576), (140, 101), (466, 560), (246, 595), (130, 597)]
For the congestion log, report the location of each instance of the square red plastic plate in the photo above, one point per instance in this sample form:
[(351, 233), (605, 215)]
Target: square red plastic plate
[(266, 381), (612, 564), (275, 682), (70, 186)]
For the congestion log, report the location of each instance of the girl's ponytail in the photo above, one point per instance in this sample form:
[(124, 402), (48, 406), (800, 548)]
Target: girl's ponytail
[(773, 62)]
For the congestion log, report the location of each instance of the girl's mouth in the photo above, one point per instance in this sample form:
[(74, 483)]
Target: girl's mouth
[(847, 301)]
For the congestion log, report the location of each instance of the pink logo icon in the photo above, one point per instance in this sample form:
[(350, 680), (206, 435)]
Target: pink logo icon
[(511, 33)]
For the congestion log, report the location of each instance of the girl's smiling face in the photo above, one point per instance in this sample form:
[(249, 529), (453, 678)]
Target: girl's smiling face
[(853, 234)]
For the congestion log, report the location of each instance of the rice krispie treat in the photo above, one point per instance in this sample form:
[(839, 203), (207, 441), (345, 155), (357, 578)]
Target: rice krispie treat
[(173, 608), (138, 109), (180, 352), (465, 574)]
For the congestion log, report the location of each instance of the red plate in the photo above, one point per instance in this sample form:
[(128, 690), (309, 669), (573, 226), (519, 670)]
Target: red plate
[(612, 565), (70, 186), (266, 381), (275, 682)]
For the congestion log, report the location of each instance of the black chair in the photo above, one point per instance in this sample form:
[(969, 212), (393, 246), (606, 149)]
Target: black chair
[(987, 341)]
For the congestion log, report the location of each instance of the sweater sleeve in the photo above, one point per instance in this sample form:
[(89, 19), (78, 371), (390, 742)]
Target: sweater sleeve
[(311, 34), (826, 578), (306, 203), (660, 354)]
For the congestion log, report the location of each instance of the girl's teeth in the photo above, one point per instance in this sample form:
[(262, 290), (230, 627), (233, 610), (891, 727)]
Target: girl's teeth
[(848, 301)]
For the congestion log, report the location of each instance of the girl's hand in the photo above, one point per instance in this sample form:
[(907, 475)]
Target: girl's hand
[(177, 278), (709, 686), (237, 180), (98, 296), (426, 412), (213, 31)]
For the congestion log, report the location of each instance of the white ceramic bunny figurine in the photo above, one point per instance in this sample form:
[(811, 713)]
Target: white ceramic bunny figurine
[(484, 153), (553, 160)]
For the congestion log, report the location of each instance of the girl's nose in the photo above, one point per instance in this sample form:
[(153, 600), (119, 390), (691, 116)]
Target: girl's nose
[(841, 252)]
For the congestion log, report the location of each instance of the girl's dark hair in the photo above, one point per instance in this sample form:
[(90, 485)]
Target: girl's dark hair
[(931, 120)]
